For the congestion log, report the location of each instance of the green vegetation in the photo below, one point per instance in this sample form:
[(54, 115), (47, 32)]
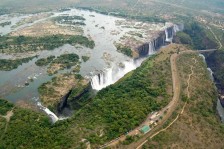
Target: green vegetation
[(199, 117), (61, 62), (28, 129), (67, 60), (2, 125), (184, 38), (123, 106), (5, 24), (85, 58), (215, 61), (44, 61), (5, 106), (70, 20), (130, 139), (124, 14), (52, 91), (125, 50), (197, 36), (9, 44), (8, 65)]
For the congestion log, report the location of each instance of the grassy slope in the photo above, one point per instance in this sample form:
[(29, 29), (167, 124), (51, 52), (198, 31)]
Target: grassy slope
[(198, 126), (197, 36)]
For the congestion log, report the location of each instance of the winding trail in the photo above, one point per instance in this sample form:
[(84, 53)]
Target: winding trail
[(188, 86), (7, 117), (216, 38), (172, 105), (188, 95), (170, 108)]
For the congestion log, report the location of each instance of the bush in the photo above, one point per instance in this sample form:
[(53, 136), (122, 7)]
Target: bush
[(5, 106)]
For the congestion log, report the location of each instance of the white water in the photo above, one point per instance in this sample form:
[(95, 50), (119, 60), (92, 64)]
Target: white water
[(211, 74), (201, 55), (53, 117), (151, 48), (112, 75), (219, 107), (167, 36), (178, 28)]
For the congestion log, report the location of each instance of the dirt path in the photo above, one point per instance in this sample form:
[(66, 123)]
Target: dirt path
[(188, 95), (169, 108), (216, 38), (7, 117)]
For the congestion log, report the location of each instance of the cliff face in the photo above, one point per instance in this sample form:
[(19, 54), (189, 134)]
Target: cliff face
[(143, 50), (155, 44), (163, 38), (170, 31), (63, 103), (70, 102), (160, 40), (215, 61)]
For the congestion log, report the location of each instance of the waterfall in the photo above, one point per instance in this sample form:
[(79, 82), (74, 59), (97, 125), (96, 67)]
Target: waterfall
[(211, 74), (111, 75), (219, 107), (201, 55), (102, 79), (178, 27), (151, 48), (171, 31), (169, 34), (53, 117)]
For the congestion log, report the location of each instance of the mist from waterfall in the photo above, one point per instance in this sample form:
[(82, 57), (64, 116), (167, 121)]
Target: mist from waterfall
[(111, 75), (178, 28), (168, 39), (175, 28), (53, 117), (151, 48)]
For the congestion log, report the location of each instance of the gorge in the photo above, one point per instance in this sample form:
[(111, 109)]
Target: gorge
[(111, 75), (105, 65)]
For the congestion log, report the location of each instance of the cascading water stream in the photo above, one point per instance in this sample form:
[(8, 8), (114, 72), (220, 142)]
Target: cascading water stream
[(211, 74), (178, 28), (151, 48), (53, 117), (111, 75), (167, 36)]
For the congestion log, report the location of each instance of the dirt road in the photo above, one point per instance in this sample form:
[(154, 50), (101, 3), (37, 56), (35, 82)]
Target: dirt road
[(176, 82), (169, 108)]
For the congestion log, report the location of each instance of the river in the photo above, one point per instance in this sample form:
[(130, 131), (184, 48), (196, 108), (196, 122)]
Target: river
[(98, 27)]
